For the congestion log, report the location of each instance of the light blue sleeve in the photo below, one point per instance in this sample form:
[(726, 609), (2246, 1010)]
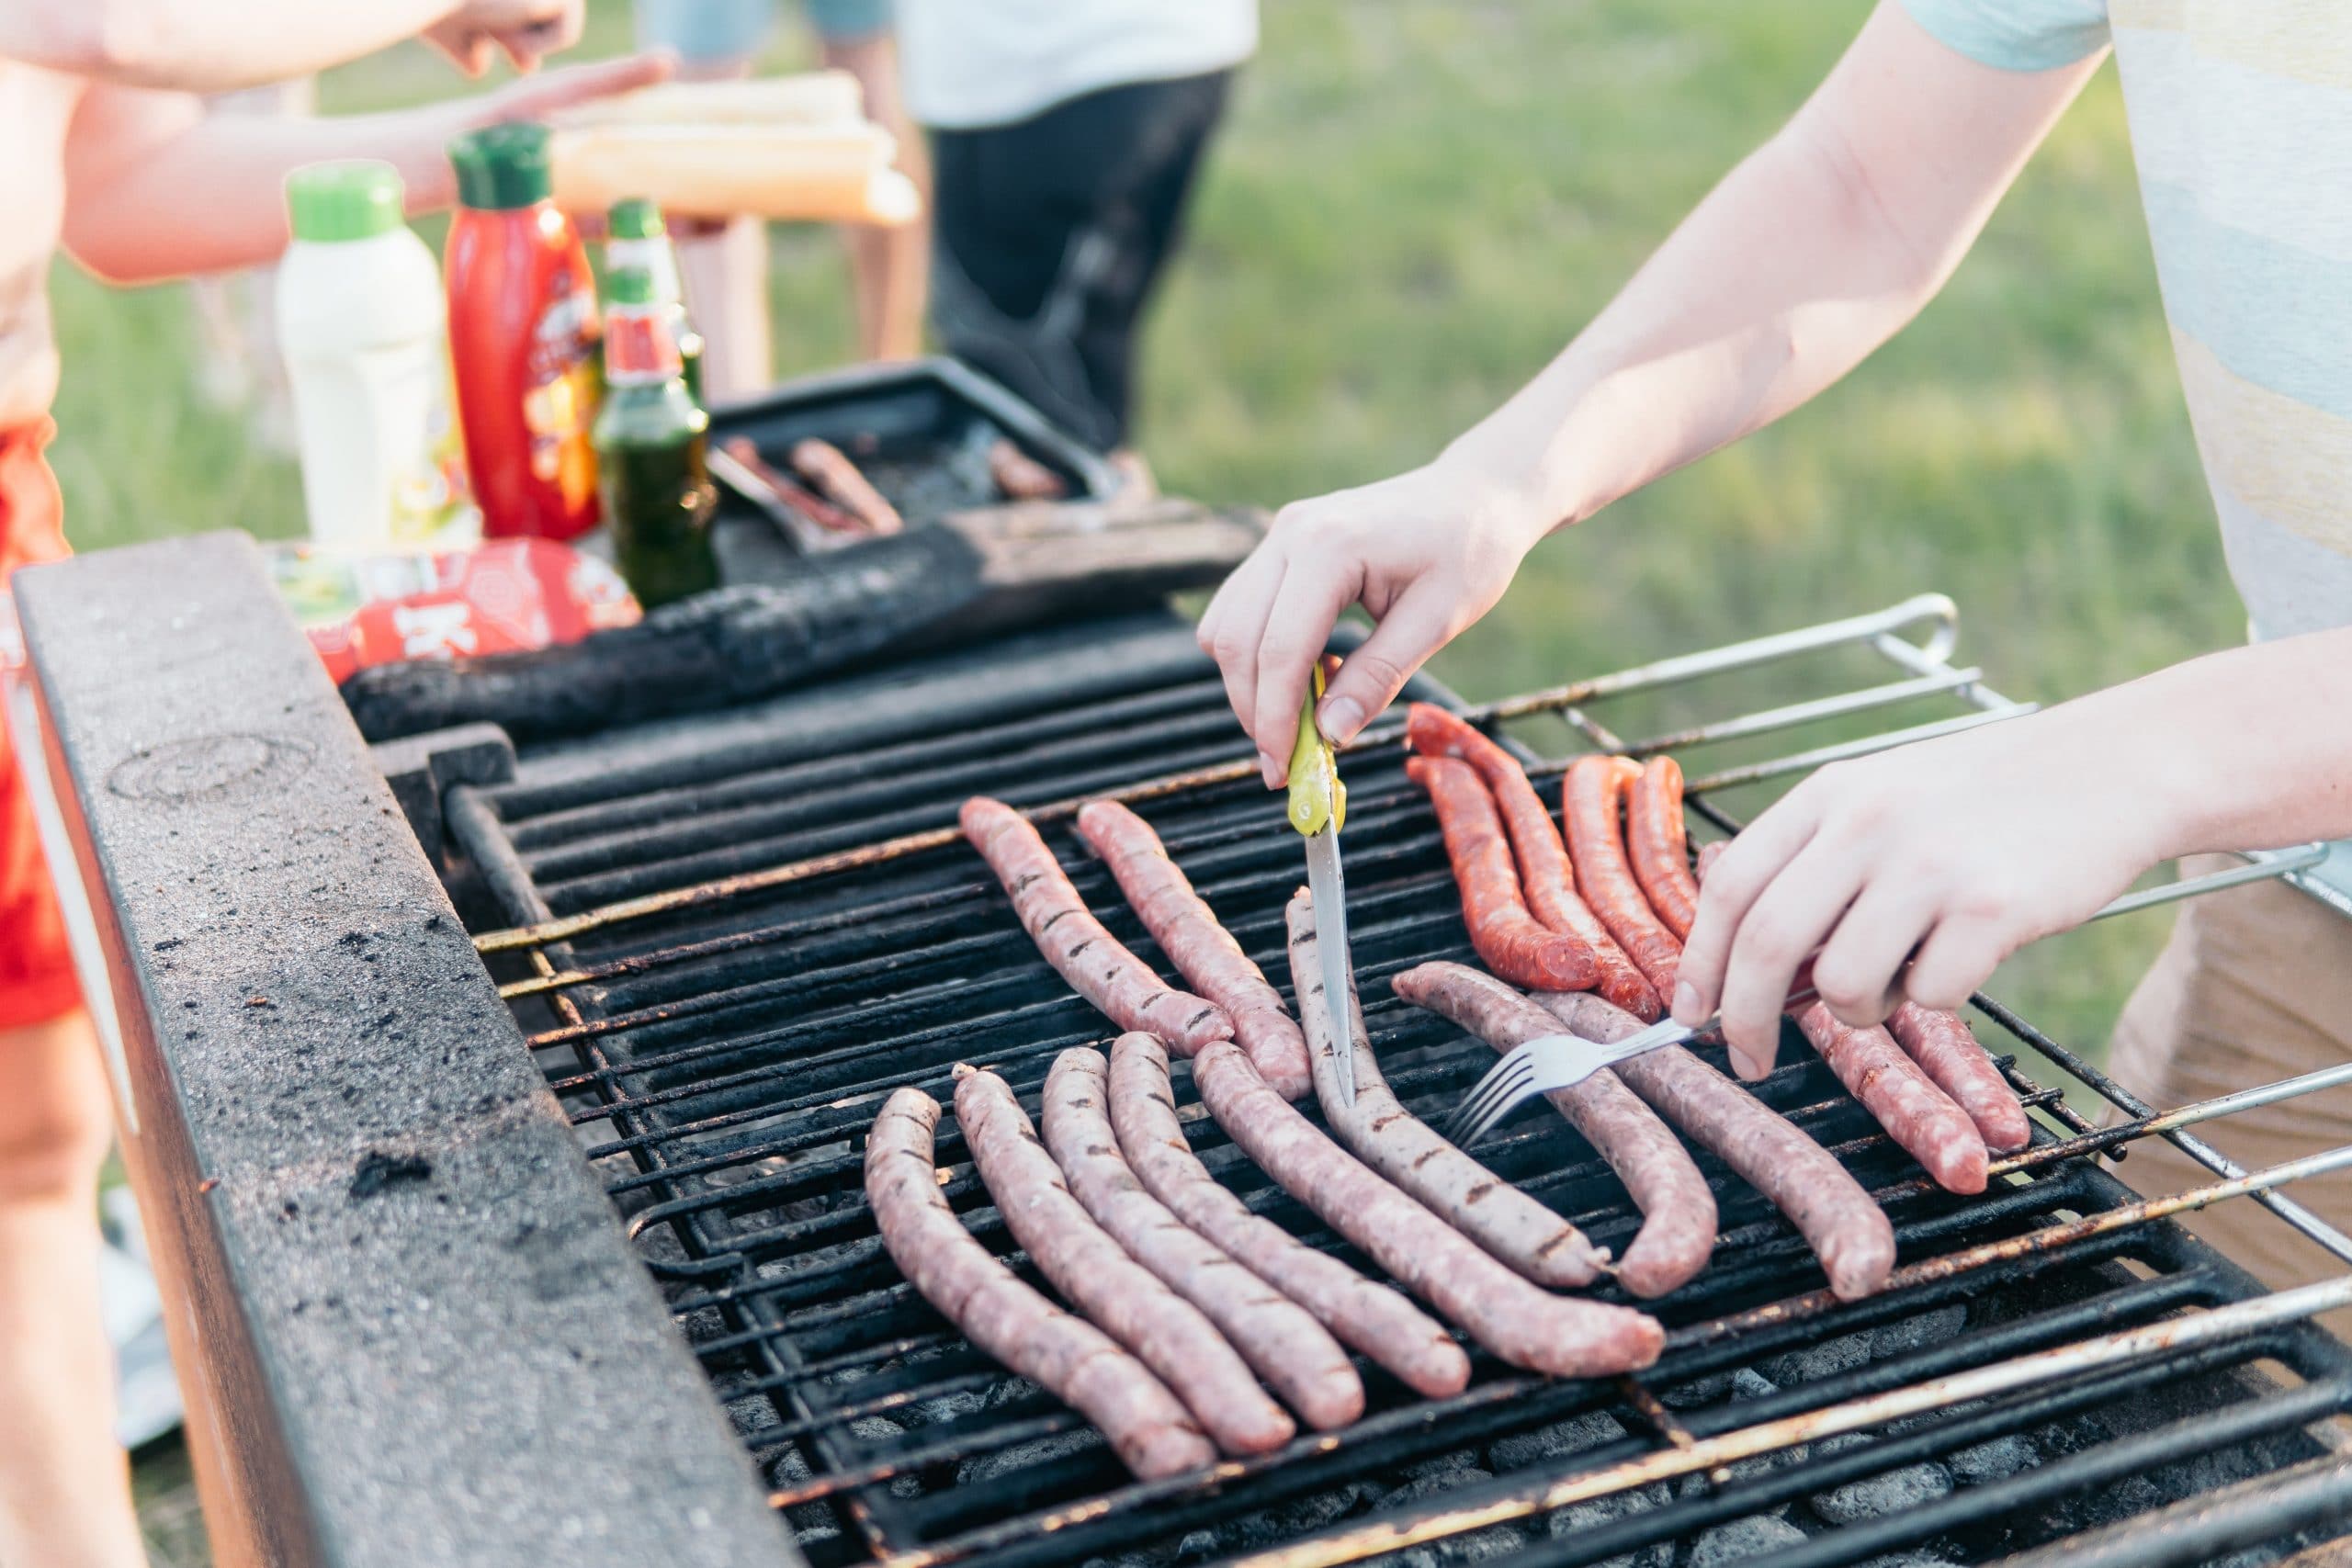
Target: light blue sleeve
[(2016, 35)]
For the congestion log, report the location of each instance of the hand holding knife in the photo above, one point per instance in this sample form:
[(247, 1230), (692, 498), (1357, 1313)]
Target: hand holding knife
[(1319, 807)]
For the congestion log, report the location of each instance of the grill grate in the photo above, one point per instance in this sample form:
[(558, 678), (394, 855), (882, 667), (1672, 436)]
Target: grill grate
[(723, 1053)]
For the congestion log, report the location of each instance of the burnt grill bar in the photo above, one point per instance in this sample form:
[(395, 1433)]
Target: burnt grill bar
[(723, 1030)]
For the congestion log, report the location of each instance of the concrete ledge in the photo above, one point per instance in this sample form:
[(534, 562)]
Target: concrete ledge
[(422, 1336)]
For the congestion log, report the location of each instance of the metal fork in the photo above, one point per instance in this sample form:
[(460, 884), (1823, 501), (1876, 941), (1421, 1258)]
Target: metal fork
[(1552, 1062)]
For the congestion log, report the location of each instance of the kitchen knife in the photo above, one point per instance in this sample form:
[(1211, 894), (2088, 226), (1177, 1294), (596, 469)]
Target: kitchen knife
[(1319, 806)]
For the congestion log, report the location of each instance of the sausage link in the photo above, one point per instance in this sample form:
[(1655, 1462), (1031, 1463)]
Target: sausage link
[(1557, 1335), (1677, 1212), (1167, 1333), (1370, 1316), (1022, 477), (1918, 1115), (1148, 1426), (1097, 966), (828, 469), (1657, 840), (1545, 878), (1833, 1212), (1948, 1052), (1200, 947), (1591, 799), (1514, 1227), (1282, 1343), (1512, 942)]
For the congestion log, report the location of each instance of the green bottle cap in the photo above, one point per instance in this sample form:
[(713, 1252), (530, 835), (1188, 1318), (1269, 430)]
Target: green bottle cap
[(351, 199), (502, 166), (635, 218), (629, 285)]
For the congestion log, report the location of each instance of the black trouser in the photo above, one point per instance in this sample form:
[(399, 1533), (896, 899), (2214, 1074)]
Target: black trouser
[(1051, 233)]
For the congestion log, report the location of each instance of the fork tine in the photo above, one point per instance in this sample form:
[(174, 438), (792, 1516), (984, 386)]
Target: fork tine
[(1505, 1067), (1493, 1116), (1502, 1088)]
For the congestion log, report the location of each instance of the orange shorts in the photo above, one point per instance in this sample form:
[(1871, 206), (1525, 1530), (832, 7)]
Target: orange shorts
[(37, 980)]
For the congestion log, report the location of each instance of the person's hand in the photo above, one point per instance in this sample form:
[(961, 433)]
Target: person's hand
[(525, 29), (539, 95), (1961, 850), (1426, 554)]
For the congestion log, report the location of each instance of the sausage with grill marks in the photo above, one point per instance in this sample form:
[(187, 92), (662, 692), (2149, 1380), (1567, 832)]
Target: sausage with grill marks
[(1656, 841), (1947, 1051), (1167, 1333), (1097, 966), (1200, 947), (1591, 799), (1367, 1315), (829, 469), (1834, 1213), (1277, 1336), (1677, 1212), (1148, 1426), (1512, 941), (1509, 1224), (1545, 878), (1558, 1335)]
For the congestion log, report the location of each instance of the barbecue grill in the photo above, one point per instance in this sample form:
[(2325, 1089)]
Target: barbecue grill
[(723, 940)]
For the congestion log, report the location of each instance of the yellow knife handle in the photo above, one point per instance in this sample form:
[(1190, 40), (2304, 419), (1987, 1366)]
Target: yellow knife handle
[(1317, 795)]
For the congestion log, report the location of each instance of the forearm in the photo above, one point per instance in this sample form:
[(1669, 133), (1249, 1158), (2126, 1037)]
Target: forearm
[(206, 48)]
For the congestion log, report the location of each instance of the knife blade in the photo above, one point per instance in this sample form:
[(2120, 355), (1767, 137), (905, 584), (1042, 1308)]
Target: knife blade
[(1318, 807)]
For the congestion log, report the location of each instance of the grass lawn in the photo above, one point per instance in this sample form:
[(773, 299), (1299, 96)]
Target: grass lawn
[(1415, 203)]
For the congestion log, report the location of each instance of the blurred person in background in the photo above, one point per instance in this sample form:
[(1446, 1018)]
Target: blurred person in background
[(1959, 849), (239, 367), (1066, 136), (114, 161), (725, 271)]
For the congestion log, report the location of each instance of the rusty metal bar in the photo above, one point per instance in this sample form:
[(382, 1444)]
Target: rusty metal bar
[(1822, 756)]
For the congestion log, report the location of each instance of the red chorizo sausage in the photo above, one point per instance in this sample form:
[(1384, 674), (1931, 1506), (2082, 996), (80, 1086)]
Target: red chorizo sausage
[(1545, 878), (1948, 1052), (1509, 1224), (1512, 942), (1558, 1335), (1282, 1343), (1167, 1333), (1202, 951), (1148, 1426), (1918, 1115), (1591, 799), (1833, 1212), (1677, 1212), (828, 469), (1097, 966), (1370, 1316), (1655, 838)]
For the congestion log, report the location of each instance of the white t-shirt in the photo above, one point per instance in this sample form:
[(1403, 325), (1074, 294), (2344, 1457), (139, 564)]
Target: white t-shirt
[(968, 65)]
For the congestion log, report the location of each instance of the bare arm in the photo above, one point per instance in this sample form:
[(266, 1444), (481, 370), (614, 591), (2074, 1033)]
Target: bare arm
[(1806, 257), (156, 189), (199, 47)]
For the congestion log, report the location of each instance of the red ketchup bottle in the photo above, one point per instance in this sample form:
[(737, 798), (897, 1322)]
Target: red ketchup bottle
[(524, 339)]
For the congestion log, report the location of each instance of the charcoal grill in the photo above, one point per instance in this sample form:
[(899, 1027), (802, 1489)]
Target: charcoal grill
[(723, 942)]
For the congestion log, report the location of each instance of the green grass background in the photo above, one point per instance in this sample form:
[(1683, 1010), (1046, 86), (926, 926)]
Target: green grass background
[(1414, 204)]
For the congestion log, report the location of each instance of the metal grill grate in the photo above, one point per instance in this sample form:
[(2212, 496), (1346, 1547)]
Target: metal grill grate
[(723, 1034)]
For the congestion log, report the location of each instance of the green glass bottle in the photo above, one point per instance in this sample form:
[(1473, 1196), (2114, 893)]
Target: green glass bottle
[(652, 447), (635, 236)]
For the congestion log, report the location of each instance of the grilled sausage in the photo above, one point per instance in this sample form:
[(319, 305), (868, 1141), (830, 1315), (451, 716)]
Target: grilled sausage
[(1546, 878), (1370, 1316), (1657, 840), (1514, 1227), (1202, 951), (1074, 942), (1677, 1212), (1285, 1345), (1558, 1335), (1167, 1333), (1590, 801), (839, 481), (1148, 1426), (1833, 1212), (1897, 1092), (1022, 477), (1512, 942), (1905, 1101), (1948, 1052)]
